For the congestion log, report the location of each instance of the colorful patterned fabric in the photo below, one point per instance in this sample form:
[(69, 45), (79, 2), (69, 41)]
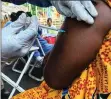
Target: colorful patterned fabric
[(108, 2), (94, 82)]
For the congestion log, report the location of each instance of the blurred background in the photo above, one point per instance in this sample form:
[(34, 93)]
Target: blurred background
[(41, 13), (45, 41)]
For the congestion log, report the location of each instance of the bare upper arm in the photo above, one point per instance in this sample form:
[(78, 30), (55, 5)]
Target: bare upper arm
[(76, 48)]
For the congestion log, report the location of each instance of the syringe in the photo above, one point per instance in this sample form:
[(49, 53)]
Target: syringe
[(59, 30)]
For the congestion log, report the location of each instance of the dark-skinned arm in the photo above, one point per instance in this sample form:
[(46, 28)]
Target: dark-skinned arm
[(76, 49)]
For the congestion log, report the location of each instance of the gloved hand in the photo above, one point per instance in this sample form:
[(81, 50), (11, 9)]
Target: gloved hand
[(18, 37), (81, 9)]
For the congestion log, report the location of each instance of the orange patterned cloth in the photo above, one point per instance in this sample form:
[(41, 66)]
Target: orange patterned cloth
[(108, 2), (94, 82)]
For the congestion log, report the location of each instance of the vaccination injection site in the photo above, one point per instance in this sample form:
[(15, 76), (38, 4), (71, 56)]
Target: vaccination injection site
[(56, 49)]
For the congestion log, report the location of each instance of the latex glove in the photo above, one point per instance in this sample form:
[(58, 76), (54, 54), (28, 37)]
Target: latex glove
[(81, 9), (18, 37)]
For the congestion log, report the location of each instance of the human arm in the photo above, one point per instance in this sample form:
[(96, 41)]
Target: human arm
[(76, 49)]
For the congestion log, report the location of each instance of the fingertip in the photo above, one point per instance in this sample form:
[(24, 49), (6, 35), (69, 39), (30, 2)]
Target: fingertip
[(95, 13), (78, 19), (87, 18), (90, 8), (22, 16), (90, 21)]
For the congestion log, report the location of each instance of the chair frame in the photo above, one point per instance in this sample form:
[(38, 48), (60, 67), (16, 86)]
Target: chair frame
[(16, 84)]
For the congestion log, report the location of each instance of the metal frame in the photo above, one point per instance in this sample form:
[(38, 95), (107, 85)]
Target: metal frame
[(9, 63), (22, 74), (40, 46), (30, 72), (23, 60), (14, 69), (33, 66), (12, 83), (16, 84)]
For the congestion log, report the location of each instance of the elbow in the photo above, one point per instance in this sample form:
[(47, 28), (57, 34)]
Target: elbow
[(54, 85), (54, 82)]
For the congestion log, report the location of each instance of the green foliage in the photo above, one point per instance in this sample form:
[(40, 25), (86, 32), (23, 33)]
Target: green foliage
[(34, 9)]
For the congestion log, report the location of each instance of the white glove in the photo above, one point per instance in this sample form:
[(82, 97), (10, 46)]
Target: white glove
[(18, 37), (81, 9)]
